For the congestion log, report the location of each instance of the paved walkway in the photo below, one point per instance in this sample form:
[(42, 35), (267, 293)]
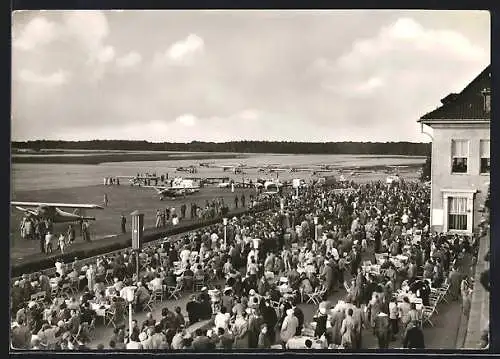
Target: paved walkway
[(479, 314)]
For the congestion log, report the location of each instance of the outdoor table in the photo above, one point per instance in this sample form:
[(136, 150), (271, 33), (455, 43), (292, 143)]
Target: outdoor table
[(300, 343), (100, 312), (284, 289)]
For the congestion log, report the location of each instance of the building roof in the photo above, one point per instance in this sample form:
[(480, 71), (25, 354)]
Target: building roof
[(466, 105)]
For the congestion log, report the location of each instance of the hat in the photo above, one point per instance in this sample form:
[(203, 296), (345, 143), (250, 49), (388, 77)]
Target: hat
[(143, 336), (60, 324), (252, 292), (16, 282), (204, 288)]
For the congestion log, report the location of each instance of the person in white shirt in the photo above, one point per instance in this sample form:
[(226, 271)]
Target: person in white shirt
[(185, 255), (251, 255), (335, 253), (157, 282), (60, 267), (134, 342), (393, 317), (214, 238), (62, 242), (256, 243), (222, 319), (49, 239), (404, 218)]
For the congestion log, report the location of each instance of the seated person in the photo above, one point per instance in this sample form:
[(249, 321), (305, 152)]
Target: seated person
[(253, 299), (149, 322), (305, 284), (170, 279), (73, 274), (156, 283), (73, 304), (142, 296), (118, 285)]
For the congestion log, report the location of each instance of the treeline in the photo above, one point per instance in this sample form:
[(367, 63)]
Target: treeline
[(354, 148)]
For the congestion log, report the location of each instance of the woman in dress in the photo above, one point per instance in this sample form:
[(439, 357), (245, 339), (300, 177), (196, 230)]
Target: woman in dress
[(240, 331), (348, 331), (91, 276)]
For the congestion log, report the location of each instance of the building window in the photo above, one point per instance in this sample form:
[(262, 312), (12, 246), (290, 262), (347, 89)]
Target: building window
[(487, 100), (457, 213), (484, 146), (459, 155)]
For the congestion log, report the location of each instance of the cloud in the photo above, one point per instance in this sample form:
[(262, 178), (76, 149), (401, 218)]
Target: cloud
[(55, 79), (249, 115), (186, 120), (38, 32), (106, 54), (131, 59), (90, 28), (181, 53), (389, 80), (407, 36), (269, 77)]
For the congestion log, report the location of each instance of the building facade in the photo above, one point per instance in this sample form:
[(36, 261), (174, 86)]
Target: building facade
[(460, 168)]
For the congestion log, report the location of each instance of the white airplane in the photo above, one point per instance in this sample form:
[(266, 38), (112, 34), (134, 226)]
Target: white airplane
[(272, 187), (237, 169), (138, 181), (169, 192), (315, 172), (300, 169), (180, 187), (324, 167), (52, 211)]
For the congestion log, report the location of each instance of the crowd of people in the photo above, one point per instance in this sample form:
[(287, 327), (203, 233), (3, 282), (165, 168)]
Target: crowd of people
[(252, 280)]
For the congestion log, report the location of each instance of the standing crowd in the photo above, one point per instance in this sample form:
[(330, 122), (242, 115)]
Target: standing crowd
[(321, 270)]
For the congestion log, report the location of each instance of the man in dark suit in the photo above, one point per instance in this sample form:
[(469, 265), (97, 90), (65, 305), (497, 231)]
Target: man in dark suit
[(192, 308), (414, 337), (226, 340)]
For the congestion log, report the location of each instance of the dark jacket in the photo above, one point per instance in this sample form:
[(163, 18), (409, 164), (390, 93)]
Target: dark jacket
[(414, 338)]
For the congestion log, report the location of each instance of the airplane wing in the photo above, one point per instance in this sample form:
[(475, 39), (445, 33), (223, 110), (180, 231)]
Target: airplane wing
[(26, 210), (59, 205)]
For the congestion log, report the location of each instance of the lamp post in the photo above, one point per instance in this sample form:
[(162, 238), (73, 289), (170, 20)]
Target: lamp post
[(129, 296), (137, 230), (316, 219), (224, 222)]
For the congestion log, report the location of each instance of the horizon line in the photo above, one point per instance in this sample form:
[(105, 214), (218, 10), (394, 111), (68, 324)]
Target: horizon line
[(216, 142)]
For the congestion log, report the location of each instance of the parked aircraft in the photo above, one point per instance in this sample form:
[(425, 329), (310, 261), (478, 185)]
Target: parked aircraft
[(180, 187), (53, 213)]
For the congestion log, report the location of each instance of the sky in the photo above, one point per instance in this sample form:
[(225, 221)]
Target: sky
[(206, 75)]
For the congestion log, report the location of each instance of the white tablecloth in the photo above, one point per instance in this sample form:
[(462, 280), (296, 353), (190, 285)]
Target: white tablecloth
[(300, 343), (101, 312)]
